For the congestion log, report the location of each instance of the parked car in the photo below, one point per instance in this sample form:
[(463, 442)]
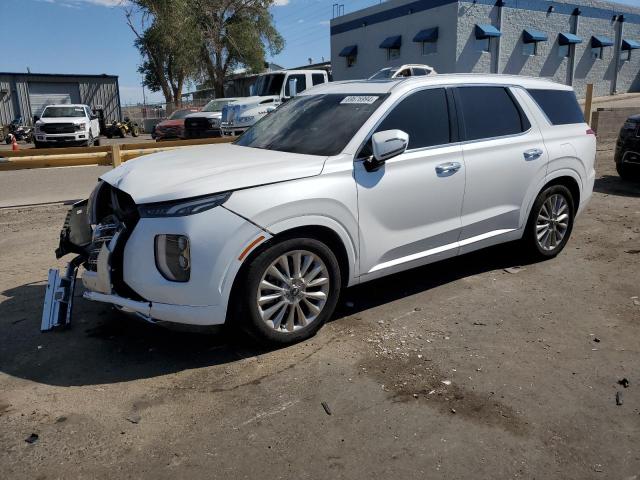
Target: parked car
[(627, 156), (270, 90), (411, 70), (173, 127), (206, 123), (67, 125), (344, 184)]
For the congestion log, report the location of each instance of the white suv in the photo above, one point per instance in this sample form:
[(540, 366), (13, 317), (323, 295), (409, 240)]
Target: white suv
[(67, 125), (346, 183)]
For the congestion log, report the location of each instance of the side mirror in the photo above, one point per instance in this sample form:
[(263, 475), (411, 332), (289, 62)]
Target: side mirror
[(35, 118), (388, 144), (293, 87)]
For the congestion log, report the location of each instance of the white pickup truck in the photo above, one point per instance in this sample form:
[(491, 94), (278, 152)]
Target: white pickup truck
[(67, 125), (269, 91)]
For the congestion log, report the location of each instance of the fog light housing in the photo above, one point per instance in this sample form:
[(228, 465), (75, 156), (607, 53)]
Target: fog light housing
[(173, 257)]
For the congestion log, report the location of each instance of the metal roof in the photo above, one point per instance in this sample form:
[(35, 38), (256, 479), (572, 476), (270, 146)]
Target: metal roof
[(59, 75)]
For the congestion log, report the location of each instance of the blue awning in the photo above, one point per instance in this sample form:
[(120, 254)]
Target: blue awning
[(568, 39), (532, 36), (350, 51), (486, 31), (598, 41), (427, 35), (629, 44), (392, 42)]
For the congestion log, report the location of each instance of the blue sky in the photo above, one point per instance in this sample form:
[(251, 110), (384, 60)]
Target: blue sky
[(91, 36)]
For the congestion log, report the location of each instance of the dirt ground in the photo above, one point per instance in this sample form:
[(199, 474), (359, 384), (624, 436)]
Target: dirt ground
[(463, 369)]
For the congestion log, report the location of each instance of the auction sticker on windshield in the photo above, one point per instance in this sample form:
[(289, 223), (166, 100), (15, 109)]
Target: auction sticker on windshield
[(359, 99)]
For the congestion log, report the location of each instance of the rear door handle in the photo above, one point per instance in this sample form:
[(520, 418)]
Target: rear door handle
[(532, 154), (449, 168)]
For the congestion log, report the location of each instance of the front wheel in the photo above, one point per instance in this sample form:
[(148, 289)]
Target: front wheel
[(289, 291), (550, 222), (135, 131)]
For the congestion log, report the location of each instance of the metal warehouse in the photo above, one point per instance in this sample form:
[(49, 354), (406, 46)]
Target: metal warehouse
[(26, 94), (575, 43)]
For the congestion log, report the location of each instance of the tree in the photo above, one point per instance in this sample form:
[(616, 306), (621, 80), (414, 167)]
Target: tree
[(235, 33), (168, 39)]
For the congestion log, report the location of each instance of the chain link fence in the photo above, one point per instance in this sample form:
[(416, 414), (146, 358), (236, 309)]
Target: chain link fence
[(148, 116)]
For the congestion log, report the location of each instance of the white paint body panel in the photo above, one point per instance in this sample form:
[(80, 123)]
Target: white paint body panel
[(398, 217)]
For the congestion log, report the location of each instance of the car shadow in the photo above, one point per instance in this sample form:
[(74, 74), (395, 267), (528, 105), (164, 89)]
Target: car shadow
[(614, 185), (104, 346)]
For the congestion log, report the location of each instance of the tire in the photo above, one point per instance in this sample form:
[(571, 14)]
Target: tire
[(7, 140), (135, 131), (273, 324), (37, 144), (624, 172), (122, 133), (557, 201), (96, 142), (109, 135)]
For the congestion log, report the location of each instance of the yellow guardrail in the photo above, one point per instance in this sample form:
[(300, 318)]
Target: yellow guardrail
[(105, 155)]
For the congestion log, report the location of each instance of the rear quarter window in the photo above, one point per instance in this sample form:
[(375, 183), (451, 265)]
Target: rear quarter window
[(560, 106)]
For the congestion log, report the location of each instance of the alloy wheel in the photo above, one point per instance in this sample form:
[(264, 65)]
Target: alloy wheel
[(293, 291), (552, 222)]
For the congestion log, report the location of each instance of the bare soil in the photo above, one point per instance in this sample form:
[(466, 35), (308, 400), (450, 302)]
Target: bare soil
[(469, 368)]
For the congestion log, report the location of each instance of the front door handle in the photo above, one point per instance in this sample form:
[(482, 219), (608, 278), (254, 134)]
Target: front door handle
[(449, 168), (532, 154)]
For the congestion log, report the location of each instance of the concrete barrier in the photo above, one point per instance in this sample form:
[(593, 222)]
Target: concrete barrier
[(104, 155)]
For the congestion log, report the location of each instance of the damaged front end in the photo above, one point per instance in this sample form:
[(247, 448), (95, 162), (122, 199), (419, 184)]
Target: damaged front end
[(95, 230)]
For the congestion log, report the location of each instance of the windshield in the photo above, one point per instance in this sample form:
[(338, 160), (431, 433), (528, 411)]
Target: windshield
[(307, 124), (384, 74), (269, 84), (60, 112), (216, 105), (180, 114)]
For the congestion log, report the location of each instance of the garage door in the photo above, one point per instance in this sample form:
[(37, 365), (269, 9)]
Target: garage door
[(42, 94)]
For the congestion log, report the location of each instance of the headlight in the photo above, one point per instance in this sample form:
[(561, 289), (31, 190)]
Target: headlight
[(40, 128), (213, 122), (246, 119), (81, 126), (173, 257), (181, 208)]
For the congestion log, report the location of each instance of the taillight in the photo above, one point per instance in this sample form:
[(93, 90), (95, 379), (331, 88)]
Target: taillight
[(591, 132)]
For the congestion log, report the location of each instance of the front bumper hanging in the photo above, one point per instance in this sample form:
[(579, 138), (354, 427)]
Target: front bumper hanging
[(58, 300)]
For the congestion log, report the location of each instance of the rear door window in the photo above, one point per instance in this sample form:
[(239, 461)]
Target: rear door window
[(560, 106), (317, 78), (489, 112), (410, 116)]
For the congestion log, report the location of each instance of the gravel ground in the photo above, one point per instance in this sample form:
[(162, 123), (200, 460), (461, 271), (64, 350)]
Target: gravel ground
[(469, 368)]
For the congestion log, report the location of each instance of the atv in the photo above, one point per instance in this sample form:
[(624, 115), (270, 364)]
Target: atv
[(121, 129)]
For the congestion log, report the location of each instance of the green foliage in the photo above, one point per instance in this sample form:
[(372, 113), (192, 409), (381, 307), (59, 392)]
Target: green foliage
[(205, 39)]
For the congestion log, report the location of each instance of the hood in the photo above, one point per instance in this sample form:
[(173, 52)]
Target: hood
[(202, 170), (171, 123), (42, 121), (205, 115), (249, 102)]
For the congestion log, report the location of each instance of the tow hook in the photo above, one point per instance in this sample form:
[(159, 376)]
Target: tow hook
[(58, 299)]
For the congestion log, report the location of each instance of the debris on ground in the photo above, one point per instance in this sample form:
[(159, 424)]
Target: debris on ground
[(632, 252), (596, 339), (446, 382), (619, 398), (134, 418), (635, 300), (514, 269), (624, 382), (325, 405), (480, 324), (31, 439)]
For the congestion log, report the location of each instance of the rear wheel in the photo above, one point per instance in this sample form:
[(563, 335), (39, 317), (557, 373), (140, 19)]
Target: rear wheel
[(550, 222), (289, 291), (135, 131), (122, 132)]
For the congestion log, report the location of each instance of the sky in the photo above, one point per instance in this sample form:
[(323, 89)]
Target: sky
[(92, 37)]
